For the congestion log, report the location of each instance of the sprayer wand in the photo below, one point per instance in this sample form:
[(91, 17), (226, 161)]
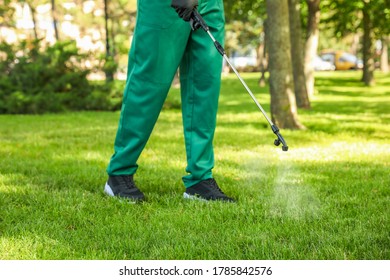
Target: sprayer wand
[(197, 22)]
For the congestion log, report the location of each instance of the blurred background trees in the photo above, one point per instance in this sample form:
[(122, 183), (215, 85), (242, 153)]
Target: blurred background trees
[(92, 39), (368, 22)]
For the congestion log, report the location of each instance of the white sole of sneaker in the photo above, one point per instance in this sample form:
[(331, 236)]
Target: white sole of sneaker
[(108, 190), (193, 197)]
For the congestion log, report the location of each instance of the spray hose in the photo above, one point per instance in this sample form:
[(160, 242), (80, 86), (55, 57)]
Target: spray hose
[(197, 22)]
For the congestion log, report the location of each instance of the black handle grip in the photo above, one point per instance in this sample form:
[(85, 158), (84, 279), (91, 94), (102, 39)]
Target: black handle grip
[(197, 21)]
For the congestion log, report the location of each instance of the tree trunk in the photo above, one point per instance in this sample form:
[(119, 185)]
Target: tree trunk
[(300, 90), (283, 106), (385, 55), (55, 21), (108, 70), (176, 80), (34, 19), (355, 44), (311, 43), (263, 57), (368, 51)]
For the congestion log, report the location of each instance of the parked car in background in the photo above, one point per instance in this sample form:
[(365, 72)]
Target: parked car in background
[(321, 65), (342, 60)]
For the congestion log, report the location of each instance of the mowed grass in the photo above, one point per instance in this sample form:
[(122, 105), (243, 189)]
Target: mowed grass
[(326, 198)]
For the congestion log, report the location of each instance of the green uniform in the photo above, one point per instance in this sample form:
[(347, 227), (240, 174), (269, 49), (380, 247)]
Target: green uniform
[(162, 41)]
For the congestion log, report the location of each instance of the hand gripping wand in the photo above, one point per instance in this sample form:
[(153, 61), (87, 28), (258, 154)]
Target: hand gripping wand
[(198, 22)]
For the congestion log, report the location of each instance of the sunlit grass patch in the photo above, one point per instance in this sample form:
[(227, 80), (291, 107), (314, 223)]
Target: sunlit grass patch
[(326, 198)]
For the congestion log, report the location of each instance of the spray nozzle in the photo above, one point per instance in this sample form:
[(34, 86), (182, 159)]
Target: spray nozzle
[(280, 139)]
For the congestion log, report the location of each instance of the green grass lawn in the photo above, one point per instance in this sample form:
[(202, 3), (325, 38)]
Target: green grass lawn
[(328, 197)]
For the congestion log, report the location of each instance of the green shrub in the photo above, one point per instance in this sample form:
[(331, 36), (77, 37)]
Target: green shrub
[(36, 80)]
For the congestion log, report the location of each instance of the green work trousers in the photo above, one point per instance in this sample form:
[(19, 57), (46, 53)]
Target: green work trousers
[(162, 42)]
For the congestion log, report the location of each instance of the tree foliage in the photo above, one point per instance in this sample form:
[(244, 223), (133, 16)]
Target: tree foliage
[(245, 26), (346, 17), (370, 17), (6, 14)]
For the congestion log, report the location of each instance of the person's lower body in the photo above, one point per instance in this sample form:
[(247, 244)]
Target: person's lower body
[(162, 41)]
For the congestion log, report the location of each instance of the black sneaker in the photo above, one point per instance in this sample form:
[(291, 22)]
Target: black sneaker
[(124, 187), (207, 190)]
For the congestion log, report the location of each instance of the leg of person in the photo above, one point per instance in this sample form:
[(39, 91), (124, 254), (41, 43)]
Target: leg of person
[(200, 73), (158, 44)]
